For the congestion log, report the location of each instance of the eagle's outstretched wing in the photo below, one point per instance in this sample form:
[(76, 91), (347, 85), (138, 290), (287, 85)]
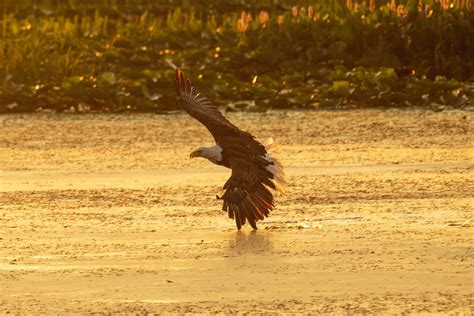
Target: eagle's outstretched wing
[(201, 108), (247, 194)]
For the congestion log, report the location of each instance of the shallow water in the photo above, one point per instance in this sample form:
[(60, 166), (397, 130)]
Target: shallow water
[(106, 213)]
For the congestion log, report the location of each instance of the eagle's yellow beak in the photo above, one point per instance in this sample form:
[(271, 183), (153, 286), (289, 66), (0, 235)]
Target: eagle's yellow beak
[(194, 154)]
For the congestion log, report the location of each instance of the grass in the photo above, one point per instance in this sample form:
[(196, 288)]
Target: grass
[(120, 55)]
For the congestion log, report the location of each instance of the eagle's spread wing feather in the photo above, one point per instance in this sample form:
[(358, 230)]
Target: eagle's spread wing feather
[(200, 107), (247, 195)]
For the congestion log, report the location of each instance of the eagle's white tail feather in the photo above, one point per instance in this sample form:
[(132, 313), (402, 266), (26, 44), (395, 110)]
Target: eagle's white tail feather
[(270, 145), (276, 168)]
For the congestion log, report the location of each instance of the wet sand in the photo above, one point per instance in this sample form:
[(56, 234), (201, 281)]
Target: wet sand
[(106, 213)]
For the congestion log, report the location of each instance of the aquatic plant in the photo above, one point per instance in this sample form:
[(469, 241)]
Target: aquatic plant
[(120, 55)]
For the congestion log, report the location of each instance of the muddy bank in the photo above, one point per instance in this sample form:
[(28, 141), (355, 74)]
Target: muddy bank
[(106, 213)]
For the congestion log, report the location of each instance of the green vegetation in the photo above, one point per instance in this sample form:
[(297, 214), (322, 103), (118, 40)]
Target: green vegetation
[(120, 55)]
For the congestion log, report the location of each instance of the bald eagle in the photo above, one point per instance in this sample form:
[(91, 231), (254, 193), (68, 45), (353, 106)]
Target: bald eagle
[(248, 192)]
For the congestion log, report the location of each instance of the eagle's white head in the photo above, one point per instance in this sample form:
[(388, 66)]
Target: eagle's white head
[(213, 154)]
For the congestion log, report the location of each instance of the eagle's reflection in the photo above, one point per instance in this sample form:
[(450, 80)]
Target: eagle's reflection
[(254, 242)]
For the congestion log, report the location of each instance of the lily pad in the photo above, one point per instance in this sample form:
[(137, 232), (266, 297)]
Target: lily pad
[(340, 88), (109, 77)]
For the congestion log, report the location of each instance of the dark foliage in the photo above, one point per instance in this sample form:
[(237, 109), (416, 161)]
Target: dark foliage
[(120, 55)]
